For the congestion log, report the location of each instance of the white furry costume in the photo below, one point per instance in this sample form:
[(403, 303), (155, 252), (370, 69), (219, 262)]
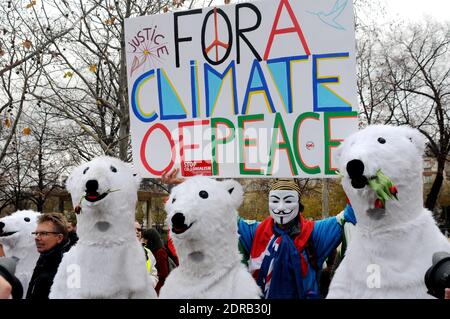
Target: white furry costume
[(17, 241), (392, 247), (202, 216), (107, 261)]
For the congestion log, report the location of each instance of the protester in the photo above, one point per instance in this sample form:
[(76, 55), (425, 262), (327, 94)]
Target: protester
[(152, 241), (51, 242), (150, 258), (285, 251), (72, 227), (5, 289), (10, 286)]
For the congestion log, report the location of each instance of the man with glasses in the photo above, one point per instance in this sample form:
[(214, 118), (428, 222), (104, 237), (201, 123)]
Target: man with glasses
[(51, 242)]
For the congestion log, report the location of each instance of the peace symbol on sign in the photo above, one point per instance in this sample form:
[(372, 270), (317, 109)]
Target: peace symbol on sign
[(216, 43)]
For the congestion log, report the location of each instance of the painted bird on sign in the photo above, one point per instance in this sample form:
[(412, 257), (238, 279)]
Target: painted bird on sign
[(331, 16)]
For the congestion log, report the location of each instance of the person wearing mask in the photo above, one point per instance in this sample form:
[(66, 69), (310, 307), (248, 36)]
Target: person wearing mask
[(285, 251)]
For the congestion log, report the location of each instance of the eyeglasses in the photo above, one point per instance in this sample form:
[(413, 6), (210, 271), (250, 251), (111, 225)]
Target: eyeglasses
[(43, 233), (138, 229)]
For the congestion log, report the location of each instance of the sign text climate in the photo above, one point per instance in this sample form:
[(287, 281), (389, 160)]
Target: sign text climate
[(261, 89)]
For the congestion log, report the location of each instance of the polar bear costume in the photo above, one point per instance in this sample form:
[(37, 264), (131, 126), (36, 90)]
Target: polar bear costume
[(202, 216), (391, 247), (107, 261), (17, 241)]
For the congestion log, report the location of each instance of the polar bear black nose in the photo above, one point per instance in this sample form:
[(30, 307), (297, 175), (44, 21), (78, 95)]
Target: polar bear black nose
[(355, 169), (178, 220), (1, 226), (91, 186)]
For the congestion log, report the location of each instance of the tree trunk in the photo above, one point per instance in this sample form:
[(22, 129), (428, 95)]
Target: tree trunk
[(432, 196), (18, 202), (40, 200), (40, 205), (123, 136), (325, 198), (123, 104)]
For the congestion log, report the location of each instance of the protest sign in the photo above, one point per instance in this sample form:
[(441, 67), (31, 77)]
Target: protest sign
[(265, 88)]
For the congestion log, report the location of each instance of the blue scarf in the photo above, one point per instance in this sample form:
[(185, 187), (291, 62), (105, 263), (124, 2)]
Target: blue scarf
[(286, 279)]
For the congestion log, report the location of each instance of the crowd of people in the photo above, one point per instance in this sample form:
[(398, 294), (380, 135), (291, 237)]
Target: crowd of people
[(56, 234), (285, 253)]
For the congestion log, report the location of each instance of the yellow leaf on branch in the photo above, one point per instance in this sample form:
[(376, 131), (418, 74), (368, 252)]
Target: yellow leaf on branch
[(26, 131), (177, 3), (93, 68), (27, 44), (31, 4), (110, 21), (68, 74)]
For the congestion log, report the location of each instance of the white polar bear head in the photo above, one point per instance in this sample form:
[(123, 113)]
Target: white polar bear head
[(15, 232), (202, 216), (106, 189), (397, 153)]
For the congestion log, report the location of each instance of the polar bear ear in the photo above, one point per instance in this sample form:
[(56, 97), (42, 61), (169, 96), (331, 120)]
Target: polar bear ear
[(235, 190), (135, 175), (417, 138), (70, 181), (136, 178)]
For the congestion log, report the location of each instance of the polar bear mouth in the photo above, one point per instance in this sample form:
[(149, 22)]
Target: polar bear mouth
[(359, 182), (6, 234), (197, 256), (102, 226), (376, 213), (95, 197), (180, 229)]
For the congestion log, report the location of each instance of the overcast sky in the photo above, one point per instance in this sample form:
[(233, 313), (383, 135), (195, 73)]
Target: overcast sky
[(415, 9)]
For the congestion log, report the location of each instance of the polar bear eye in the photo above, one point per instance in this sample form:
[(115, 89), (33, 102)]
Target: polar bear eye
[(381, 140), (173, 200), (85, 170), (26, 219), (113, 169), (203, 194)]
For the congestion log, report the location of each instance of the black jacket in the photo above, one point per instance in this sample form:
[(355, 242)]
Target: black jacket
[(45, 270), (73, 238)]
